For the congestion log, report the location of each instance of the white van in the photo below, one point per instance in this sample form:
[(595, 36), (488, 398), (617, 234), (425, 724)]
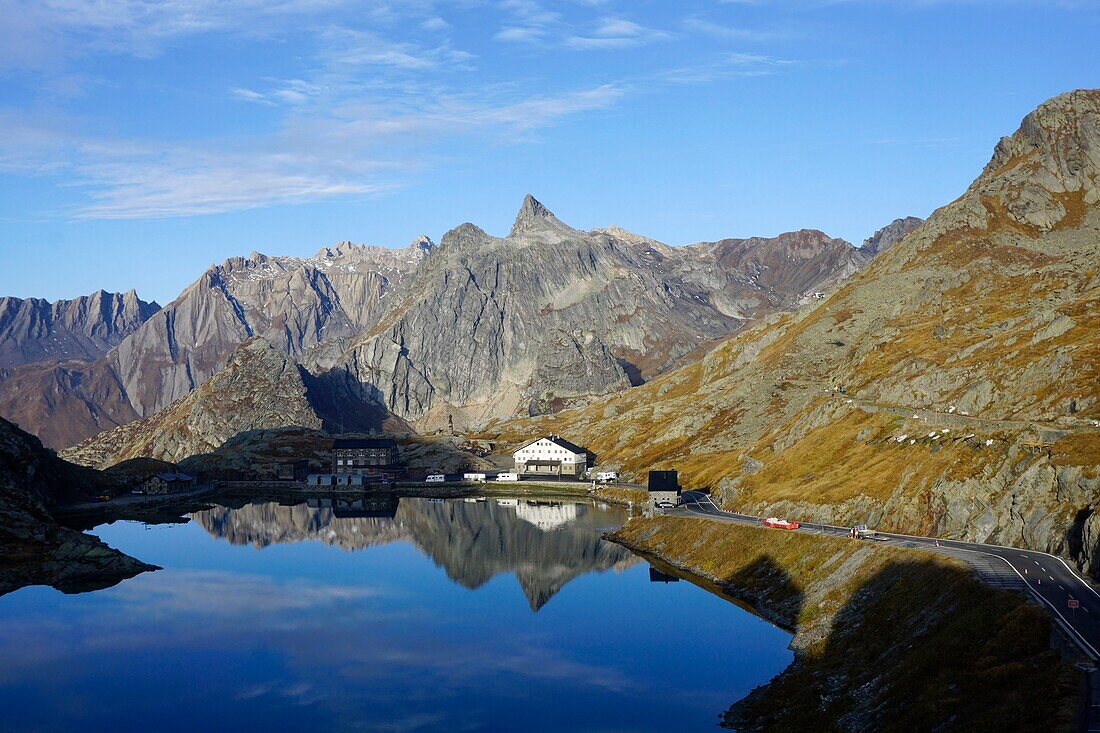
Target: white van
[(607, 477), (435, 478), (507, 476), (475, 477)]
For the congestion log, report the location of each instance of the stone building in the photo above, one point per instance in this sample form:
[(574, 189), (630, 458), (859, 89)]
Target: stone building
[(167, 483), (664, 489), (365, 456)]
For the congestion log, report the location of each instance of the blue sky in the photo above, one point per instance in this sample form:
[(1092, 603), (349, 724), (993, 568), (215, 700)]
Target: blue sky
[(140, 142)]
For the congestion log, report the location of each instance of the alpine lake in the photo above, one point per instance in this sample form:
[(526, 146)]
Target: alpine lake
[(410, 614)]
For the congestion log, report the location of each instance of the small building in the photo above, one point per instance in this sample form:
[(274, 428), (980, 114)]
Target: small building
[(664, 489), (365, 455), (293, 470), (551, 455), (167, 483)]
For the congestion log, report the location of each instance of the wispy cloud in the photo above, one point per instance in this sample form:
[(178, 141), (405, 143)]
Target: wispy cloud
[(352, 149), (705, 27), (611, 33), (359, 114)]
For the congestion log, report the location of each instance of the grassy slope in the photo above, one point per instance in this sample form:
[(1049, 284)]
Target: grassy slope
[(886, 639), (974, 309)]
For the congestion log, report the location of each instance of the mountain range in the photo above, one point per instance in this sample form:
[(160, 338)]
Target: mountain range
[(432, 337)]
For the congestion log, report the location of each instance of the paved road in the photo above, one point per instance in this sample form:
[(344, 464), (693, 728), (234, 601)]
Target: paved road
[(1051, 581)]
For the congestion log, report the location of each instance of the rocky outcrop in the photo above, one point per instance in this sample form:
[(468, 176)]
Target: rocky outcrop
[(890, 235), (259, 388), (950, 388), (83, 328), (34, 549), (293, 303)]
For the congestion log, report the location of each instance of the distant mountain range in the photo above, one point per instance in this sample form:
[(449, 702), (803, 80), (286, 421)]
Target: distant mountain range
[(448, 336), (88, 327)]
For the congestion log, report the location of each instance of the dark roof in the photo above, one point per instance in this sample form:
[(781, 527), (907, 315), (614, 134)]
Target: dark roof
[(559, 441), (664, 481), (340, 443)]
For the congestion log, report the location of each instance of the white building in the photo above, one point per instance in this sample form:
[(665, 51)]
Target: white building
[(547, 516), (551, 455)]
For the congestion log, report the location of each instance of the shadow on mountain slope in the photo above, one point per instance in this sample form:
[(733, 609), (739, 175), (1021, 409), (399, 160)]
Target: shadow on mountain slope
[(886, 639), (918, 646), (346, 405)]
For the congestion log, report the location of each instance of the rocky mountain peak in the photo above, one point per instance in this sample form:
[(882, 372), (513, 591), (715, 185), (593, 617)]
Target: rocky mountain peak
[(889, 235), (1048, 169), (422, 245), (533, 216)]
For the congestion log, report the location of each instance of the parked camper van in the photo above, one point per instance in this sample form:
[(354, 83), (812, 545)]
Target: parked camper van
[(607, 477), (508, 476), (475, 477), (435, 478)]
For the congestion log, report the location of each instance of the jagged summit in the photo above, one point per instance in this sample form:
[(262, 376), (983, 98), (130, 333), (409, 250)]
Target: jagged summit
[(889, 235), (422, 245), (1043, 175), (534, 216)]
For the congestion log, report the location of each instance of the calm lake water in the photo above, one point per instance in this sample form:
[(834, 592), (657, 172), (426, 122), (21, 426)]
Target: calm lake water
[(437, 615)]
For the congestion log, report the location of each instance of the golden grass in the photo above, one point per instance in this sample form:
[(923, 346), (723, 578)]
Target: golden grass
[(830, 464)]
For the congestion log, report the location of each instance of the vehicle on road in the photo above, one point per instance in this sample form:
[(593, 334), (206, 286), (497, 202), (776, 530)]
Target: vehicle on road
[(665, 505), (435, 478), (606, 477), (507, 476), (478, 478), (101, 498), (776, 523)]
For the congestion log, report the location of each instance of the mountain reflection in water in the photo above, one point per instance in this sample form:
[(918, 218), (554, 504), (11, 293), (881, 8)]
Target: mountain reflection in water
[(545, 544), (331, 618)]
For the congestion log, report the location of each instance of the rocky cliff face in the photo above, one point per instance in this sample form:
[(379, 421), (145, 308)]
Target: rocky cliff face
[(83, 328), (550, 316), (259, 388), (950, 388), (890, 235)]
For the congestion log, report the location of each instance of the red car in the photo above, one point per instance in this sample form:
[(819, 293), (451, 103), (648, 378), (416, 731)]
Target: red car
[(775, 523)]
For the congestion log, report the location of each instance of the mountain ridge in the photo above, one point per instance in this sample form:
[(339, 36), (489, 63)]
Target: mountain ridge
[(377, 325), (950, 388), (87, 327)]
